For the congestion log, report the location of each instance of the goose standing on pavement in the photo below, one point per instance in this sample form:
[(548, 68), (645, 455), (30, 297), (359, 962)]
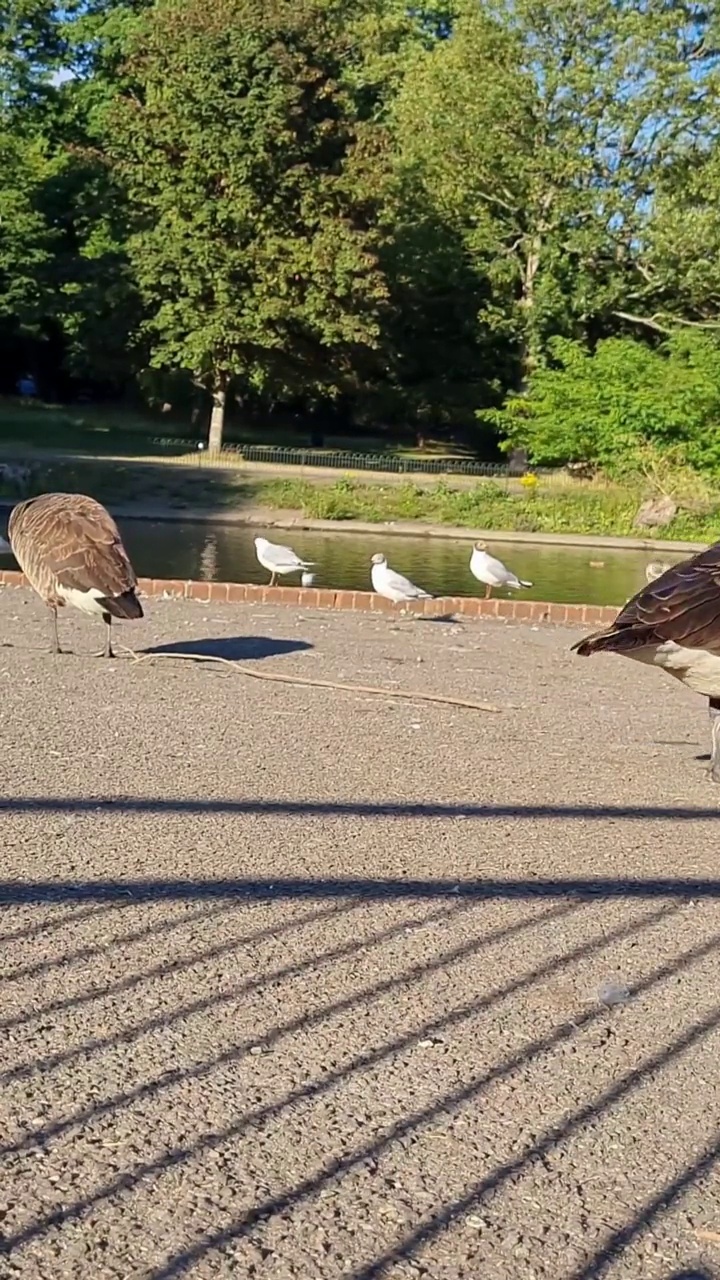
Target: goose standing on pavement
[(492, 572), (393, 586), (70, 550), (277, 559), (674, 624)]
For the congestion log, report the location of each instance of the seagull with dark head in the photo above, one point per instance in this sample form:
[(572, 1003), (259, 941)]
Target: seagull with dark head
[(674, 624)]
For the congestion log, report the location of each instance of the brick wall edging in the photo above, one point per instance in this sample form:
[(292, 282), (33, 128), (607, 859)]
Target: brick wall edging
[(576, 615)]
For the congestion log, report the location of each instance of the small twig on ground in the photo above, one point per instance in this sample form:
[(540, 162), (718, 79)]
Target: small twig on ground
[(276, 677)]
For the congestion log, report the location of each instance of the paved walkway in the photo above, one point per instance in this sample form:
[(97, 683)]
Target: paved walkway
[(301, 985)]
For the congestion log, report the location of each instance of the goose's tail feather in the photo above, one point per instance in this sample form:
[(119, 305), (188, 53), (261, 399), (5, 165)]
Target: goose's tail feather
[(622, 640), (126, 605)]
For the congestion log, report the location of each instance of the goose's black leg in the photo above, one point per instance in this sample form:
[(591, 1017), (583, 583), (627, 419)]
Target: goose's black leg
[(55, 642), (714, 709), (108, 650)]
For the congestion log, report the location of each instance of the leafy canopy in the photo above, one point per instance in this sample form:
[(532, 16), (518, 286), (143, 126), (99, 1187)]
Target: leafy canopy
[(253, 181), (613, 407)]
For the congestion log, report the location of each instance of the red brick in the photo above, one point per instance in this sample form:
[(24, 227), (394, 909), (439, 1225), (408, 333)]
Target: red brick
[(236, 592), (557, 612), (290, 595), (575, 614), (506, 608), (593, 615), (326, 599), (219, 592), (488, 608), (379, 604), (525, 610), (468, 606), (254, 594), (198, 591), (344, 599)]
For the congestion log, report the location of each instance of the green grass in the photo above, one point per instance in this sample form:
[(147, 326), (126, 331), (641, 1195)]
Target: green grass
[(488, 505), (577, 507), (111, 429)]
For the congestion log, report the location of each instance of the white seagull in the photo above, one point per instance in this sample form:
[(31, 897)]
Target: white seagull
[(392, 585), (278, 559), (655, 569), (492, 572)]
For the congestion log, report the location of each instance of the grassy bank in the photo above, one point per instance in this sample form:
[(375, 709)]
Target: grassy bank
[(115, 429), (587, 510)]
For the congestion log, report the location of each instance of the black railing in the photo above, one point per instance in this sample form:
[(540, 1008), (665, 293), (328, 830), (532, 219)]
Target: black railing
[(337, 460)]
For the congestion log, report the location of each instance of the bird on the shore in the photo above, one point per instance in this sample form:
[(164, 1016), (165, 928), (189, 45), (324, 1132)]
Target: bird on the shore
[(655, 569), (393, 586), (492, 572), (674, 623), (278, 560), (70, 550)]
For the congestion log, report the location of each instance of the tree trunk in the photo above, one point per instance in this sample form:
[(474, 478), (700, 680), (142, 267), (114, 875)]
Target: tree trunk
[(527, 307), (217, 417)]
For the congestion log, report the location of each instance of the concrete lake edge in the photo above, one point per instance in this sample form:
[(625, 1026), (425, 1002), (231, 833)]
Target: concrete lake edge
[(267, 518), (532, 611), (262, 518)]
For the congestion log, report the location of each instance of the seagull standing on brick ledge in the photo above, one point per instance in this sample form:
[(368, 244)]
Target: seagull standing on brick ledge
[(492, 572), (674, 624), (277, 559), (386, 582)]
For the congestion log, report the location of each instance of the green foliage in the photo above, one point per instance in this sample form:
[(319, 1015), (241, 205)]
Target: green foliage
[(626, 408), (540, 133), (331, 207), (27, 240), (253, 183), (489, 505)]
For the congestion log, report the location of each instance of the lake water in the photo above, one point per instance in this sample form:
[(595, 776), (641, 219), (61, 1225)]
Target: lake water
[(226, 553)]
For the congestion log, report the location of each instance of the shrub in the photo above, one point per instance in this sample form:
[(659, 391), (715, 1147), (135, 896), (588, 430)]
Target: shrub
[(618, 405)]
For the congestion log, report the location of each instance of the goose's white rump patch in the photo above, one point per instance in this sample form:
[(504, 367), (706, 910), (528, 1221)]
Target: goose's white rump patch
[(86, 601), (699, 669)]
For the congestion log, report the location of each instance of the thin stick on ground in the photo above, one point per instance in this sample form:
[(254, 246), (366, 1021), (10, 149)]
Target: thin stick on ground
[(277, 677)]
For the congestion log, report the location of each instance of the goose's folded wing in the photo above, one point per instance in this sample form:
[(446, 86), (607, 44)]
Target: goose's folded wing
[(682, 605), (88, 555)]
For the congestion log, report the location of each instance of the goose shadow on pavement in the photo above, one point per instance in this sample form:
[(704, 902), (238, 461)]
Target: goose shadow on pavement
[(232, 648)]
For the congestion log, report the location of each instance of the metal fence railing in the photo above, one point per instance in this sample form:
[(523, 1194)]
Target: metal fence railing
[(231, 455)]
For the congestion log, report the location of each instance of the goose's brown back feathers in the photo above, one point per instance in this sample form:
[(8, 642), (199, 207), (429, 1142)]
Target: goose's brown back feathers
[(68, 542), (682, 605)]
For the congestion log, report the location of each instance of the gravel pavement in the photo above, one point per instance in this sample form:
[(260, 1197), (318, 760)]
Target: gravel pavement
[(302, 985)]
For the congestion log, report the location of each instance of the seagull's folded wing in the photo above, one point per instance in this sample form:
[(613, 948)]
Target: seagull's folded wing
[(397, 582)]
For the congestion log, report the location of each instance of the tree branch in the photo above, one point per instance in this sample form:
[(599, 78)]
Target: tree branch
[(654, 323)]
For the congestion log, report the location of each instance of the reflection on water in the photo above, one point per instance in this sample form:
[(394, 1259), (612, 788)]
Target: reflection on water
[(226, 553)]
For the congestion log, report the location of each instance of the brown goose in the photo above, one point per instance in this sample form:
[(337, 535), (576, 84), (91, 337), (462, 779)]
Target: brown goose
[(70, 550), (674, 624)]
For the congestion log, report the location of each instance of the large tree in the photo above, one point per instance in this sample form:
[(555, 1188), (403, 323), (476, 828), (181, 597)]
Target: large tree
[(542, 129), (254, 182)]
